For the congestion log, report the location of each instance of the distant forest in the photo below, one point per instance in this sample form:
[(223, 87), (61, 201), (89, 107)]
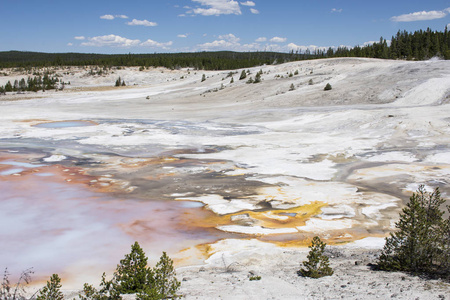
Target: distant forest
[(419, 45)]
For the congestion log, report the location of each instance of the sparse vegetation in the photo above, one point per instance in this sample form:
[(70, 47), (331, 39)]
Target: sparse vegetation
[(17, 291), (317, 264), (254, 278)]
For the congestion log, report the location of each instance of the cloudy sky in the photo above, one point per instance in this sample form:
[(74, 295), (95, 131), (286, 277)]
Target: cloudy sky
[(148, 26)]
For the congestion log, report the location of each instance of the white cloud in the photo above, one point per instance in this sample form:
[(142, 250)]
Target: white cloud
[(216, 8), (141, 23), (110, 41), (231, 42), (154, 44), (248, 3), (107, 17), (261, 39), (224, 42), (335, 10), (229, 37), (368, 43), (421, 16), (254, 11), (111, 17), (277, 39), (69, 44), (121, 42), (80, 38), (182, 35)]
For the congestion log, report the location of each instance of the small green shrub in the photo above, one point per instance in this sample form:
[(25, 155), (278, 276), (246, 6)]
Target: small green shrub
[(253, 278), (317, 264), (243, 75), (327, 87)]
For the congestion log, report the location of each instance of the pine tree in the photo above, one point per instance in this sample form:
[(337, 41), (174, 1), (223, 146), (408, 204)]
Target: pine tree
[(8, 87), (165, 280), (132, 274), (327, 87), (52, 290), (243, 75), (317, 264), (421, 242), (258, 77), (203, 77)]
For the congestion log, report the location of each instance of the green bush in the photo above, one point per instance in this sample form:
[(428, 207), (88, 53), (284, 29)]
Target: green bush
[(327, 87), (317, 264)]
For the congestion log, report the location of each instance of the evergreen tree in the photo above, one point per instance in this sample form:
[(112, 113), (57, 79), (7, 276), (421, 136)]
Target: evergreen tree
[(118, 82), (421, 243), (132, 274), (258, 77), (165, 280), (317, 264), (327, 87), (203, 77), (8, 87), (243, 75), (52, 290)]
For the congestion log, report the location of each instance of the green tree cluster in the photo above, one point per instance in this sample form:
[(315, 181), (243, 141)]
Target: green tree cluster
[(120, 82), (421, 243), (31, 84), (133, 276)]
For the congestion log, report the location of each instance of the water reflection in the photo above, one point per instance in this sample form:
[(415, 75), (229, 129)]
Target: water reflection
[(59, 227)]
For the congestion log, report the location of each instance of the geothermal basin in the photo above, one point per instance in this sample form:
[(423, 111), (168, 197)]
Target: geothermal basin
[(181, 165)]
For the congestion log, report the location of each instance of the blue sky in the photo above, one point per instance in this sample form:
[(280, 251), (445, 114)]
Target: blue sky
[(148, 26)]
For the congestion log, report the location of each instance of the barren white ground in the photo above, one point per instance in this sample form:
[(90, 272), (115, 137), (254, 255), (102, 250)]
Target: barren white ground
[(359, 150)]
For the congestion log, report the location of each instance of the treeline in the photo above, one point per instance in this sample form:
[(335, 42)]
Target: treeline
[(223, 60), (32, 84), (419, 45)]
